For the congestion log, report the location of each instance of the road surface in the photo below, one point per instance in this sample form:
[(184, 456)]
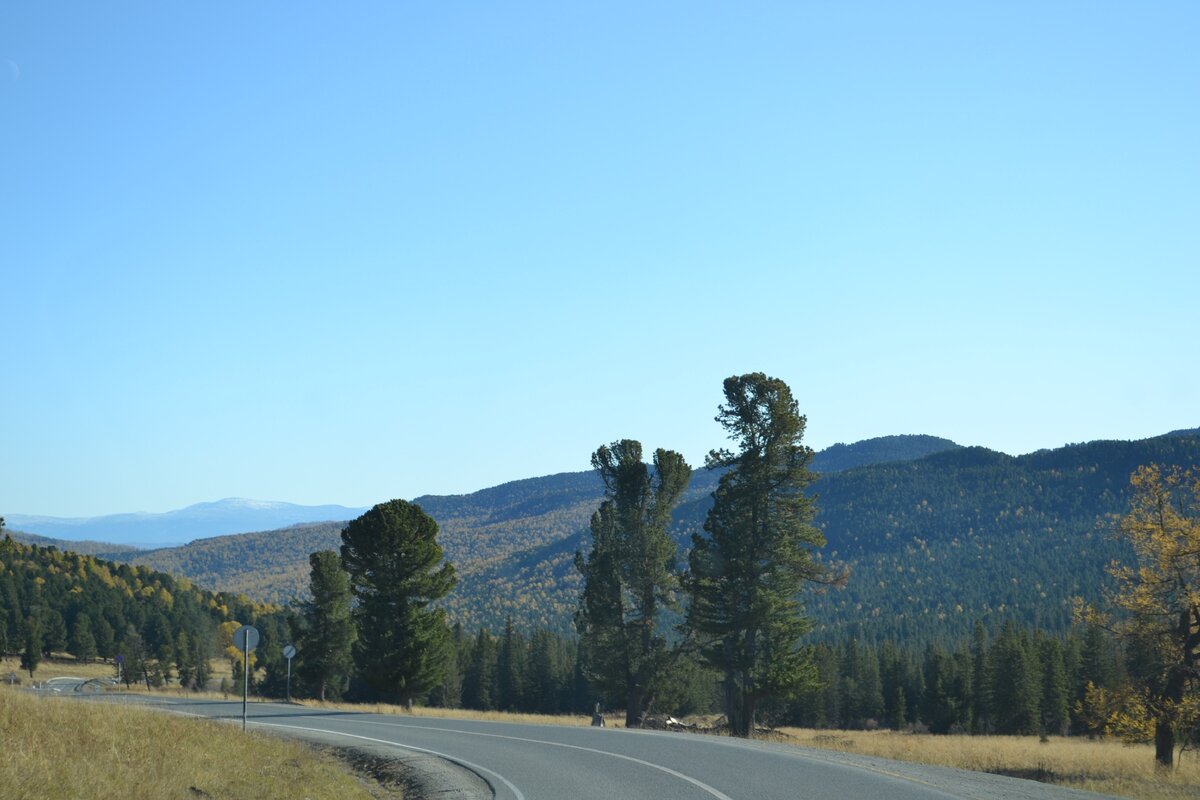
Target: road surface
[(547, 762)]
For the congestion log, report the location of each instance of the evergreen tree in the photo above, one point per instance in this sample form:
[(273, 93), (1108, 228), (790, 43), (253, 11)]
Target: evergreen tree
[(106, 638), (547, 679), (629, 575), (480, 684), (1055, 719), (756, 553), (54, 631), (325, 648), (397, 572), (981, 705), (449, 693), (511, 668), (943, 708), (201, 663), (31, 656), (1016, 684), (184, 666), (83, 644)]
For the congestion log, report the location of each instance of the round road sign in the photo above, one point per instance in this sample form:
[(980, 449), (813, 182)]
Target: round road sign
[(289, 651), (245, 637)]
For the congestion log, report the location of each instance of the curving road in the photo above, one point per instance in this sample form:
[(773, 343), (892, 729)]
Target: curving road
[(546, 762)]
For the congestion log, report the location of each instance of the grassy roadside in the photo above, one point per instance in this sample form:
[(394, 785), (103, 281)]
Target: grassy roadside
[(56, 748), (1104, 766), (1100, 766)]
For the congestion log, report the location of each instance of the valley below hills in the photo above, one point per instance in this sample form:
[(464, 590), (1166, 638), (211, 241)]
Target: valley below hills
[(936, 536)]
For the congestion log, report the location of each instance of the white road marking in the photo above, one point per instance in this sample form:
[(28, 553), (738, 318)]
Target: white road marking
[(455, 759), (674, 773)]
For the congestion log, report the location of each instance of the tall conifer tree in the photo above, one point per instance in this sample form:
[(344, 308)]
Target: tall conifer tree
[(397, 571), (328, 628), (756, 554), (629, 575)]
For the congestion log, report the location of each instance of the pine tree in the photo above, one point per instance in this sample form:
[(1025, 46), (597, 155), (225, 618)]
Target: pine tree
[(201, 665), (480, 684), (511, 668), (83, 644), (449, 693), (397, 572), (54, 631), (629, 575), (1055, 718), (756, 553), (325, 645), (1016, 683), (981, 699), (31, 656)]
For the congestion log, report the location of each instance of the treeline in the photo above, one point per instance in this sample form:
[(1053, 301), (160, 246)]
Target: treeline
[(1011, 681), (62, 602)]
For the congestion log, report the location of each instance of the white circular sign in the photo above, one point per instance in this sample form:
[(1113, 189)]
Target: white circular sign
[(245, 637)]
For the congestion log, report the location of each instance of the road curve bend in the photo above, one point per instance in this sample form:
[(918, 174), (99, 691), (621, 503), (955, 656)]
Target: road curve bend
[(547, 762)]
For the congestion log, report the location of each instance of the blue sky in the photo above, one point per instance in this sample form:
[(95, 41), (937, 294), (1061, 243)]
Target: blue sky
[(342, 253)]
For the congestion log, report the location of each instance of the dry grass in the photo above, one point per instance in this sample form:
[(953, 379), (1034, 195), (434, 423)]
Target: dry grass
[(58, 668), (1099, 766), (576, 720), (64, 666), (57, 748)]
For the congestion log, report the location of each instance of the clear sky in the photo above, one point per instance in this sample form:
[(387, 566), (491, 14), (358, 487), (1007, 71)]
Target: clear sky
[(340, 253)]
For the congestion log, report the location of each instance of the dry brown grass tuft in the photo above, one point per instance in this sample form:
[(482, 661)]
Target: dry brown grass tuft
[(59, 748), (1100, 766)]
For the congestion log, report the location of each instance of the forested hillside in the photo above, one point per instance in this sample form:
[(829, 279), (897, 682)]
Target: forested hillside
[(84, 547), (53, 601), (270, 566), (488, 533), (933, 542)]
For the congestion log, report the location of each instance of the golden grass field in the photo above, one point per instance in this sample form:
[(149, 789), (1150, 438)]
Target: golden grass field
[(1105, 766), (57, 748)]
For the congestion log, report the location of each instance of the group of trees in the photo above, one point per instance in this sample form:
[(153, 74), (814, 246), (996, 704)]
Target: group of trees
[(745, 571), (1011, 681), (164, 628)]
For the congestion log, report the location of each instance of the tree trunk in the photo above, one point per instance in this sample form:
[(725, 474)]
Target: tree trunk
[(633, 708), (739, 709), (1164, 744)]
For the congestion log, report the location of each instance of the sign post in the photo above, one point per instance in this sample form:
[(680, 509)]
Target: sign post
[(120, 663), (245, 639), (289, 653)]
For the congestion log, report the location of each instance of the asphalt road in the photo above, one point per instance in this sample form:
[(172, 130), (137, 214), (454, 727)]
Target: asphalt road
[(546, 762)]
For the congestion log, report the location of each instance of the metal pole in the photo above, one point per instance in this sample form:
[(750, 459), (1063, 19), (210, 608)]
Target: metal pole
[(289, 684), (245, 675)]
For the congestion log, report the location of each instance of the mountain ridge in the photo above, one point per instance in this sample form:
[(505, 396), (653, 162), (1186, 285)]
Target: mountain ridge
[(522, 497)]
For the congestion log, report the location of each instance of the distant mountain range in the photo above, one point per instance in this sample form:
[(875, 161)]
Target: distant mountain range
[(936, 535), (143, 530)]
